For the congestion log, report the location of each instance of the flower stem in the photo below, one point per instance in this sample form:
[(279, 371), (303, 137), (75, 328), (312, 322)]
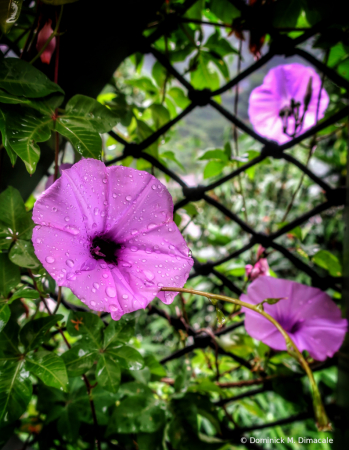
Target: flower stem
[(322, 420)]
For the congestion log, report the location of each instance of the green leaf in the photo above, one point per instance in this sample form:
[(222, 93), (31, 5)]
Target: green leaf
[(46, 106), (9, 338), (34, 332), (213, 168), (18, 77), (159, 114), (24, 292), (204, 76), (144, 131), (144, 84), (79, 359), (68, 423), (108, 373), (179, 97), (9, 13), (121, 330), (50, 368), (329, 262), (286, 12), (5, 314), (24, 131), (88, 325), (224, 10), (15, 391), (128, 357), (12, 209), (154, 366), (81, 134), (22, 254), (171, 156), (159, 74), (99, 116), (10, 275), (215, 154), (137, 413)]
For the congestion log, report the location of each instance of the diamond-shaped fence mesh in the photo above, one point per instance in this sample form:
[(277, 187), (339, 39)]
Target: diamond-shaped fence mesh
[(281, 45)]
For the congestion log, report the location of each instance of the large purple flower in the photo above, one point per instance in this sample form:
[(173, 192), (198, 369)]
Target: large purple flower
[(108, 234), (309, 316), (285, 105)]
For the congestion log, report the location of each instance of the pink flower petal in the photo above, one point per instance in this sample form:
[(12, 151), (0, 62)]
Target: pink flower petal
[(113, 228), (280, 85), (309, 315)]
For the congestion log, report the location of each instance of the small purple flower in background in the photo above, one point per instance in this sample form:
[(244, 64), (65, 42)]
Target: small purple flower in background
[(286, 104), (308, 315), (50, 179), (108, 235), (261, 267)]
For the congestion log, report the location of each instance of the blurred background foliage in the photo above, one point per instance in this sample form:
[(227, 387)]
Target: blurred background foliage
[(143, 394)]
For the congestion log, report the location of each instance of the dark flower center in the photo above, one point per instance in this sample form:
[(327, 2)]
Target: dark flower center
[(295, 327), (105, 249)]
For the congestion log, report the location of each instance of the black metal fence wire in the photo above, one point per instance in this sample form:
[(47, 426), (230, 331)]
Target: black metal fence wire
[(280, 45)]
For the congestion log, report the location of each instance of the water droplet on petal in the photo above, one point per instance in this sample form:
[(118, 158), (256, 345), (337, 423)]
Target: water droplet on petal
[(114, 195), (96, 211), (71, 276), (125, 264), (54, 209), (72, 229), (96, 285), (110, 291), (134, 248), (105, 275), (148, 283), (94, 225), (49, 259), (113, 308), (128, 198), (149, 275), (151, 226), (125, 296), (154, 187), (93, 303), (69, 262), (104, 180), (66, 219), (38, 241)]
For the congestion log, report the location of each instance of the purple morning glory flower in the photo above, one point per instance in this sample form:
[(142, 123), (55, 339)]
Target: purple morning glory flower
[(308, 314), (285, 105), (108, 235), (50, 179)]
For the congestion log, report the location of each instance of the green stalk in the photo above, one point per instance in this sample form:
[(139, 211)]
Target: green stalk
[(322, 420)]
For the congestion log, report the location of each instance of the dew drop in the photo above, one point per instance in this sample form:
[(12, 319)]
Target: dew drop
[(113, 308), (105, 275), (93, 303), (96, 285), (49, 259), (94, 225), (128, 198), (126, 265), (38, 241), (125, 296), (71, 276), (134, 248), (69, 262), (149, 275), (151, 226), (133, 232), (110, 291), (114, 195), (148, 283), (72, 229), (96, 211), (54, 209), (66, 219), (154, 187), (104, 180)]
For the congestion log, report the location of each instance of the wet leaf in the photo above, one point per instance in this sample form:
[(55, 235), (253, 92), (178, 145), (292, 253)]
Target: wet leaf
[(128, 357), (10, 275), (18, 77), (15, 391), (34, 332), (79, 359), (108, 373), (50, 368), (9, 13), (22, 254), (5, 314)]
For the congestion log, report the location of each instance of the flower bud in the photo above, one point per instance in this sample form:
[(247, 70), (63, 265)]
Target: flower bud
[(43, 35)]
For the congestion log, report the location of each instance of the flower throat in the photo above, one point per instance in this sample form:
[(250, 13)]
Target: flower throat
[(105, 249)]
